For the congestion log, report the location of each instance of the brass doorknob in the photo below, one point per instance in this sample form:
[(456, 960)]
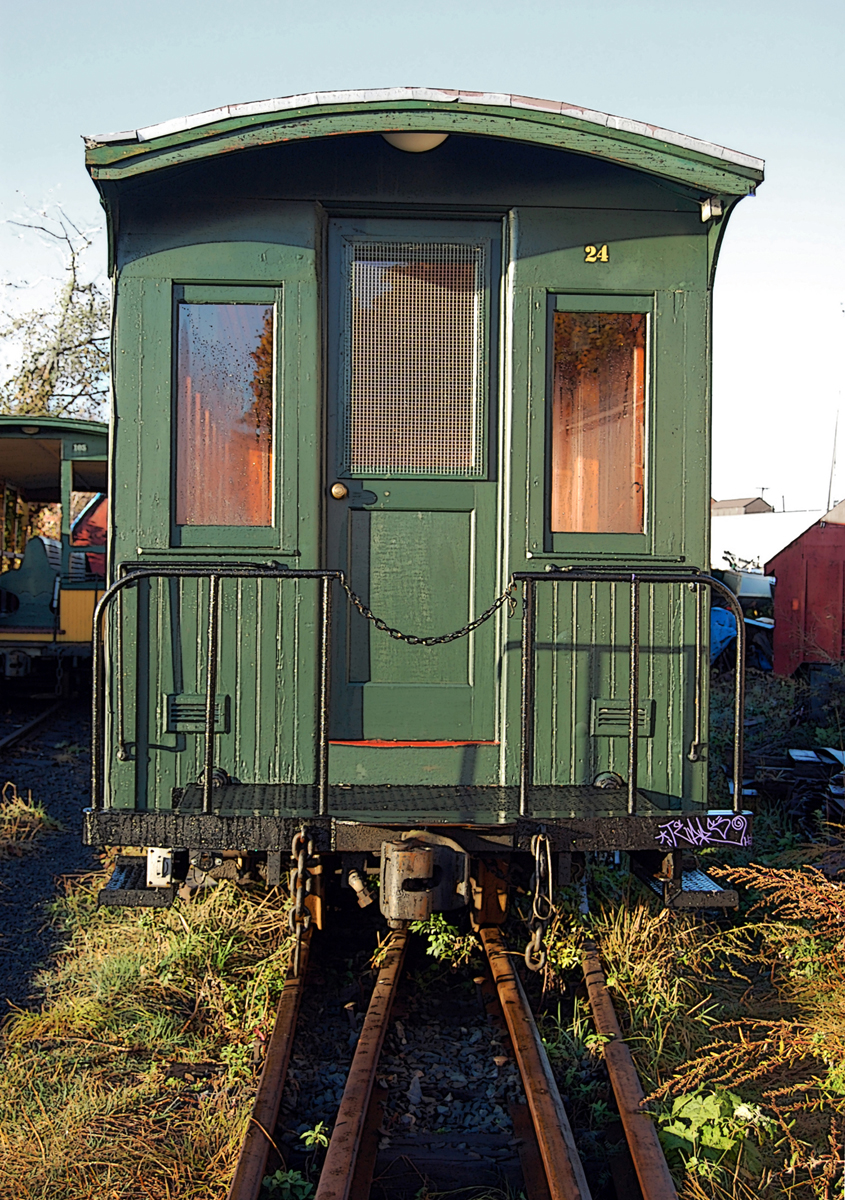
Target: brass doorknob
[(340, 491)]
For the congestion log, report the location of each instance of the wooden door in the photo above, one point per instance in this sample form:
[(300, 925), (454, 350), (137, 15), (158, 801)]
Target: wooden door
[(410, 488)]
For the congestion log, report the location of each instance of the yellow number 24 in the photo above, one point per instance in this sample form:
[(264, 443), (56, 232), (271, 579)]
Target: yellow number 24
[(596, 254)]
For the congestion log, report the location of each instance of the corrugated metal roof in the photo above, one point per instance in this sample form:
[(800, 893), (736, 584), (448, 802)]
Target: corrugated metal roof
[(434, 95)]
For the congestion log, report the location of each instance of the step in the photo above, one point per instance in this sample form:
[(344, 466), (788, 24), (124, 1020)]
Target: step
[(127, 887), (697, 891)]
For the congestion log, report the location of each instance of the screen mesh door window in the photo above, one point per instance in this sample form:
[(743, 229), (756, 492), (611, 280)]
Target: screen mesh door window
[(224, 415), (415, 347), (598, 422)]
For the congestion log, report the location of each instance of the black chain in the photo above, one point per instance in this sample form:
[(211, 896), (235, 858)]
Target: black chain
[(506, 597), (299, 917)]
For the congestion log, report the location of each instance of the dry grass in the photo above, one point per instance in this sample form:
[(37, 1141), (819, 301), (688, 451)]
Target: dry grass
[(751, 1007), (89, 1110), (21, 821)]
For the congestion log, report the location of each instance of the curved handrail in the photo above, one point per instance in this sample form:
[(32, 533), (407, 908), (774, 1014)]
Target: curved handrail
[(693, 577), (214, 575)]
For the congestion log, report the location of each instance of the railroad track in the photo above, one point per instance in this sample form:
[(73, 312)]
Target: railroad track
[(16, 735), (551, 1166)]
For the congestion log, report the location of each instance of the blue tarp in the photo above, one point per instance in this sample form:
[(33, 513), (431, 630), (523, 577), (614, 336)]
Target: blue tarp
[(722, 631), (723, 634)]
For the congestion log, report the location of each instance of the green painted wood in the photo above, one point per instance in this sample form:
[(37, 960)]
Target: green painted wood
[(424, 766), (583, 638), (564, 132), (267, 637), (420, 563), (582, 658)]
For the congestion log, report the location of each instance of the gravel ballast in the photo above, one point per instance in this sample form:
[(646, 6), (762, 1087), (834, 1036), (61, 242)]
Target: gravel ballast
[(53, 763)]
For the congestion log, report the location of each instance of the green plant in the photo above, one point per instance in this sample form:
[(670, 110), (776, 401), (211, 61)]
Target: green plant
[(575, 1052), (286, 1185), (238, 1059), (130, 992), (318, 1136), (705, 1133), (445, 943)]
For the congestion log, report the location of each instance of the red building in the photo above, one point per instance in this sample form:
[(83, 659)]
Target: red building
[(810, 597)]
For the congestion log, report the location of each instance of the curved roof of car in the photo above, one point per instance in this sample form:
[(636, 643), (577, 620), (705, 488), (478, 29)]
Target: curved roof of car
[(552, 123), (32, 449), (27, 425)]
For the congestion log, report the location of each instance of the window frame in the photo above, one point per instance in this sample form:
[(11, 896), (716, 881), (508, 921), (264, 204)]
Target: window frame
[(471, 231), (246, 537), (542, 541)]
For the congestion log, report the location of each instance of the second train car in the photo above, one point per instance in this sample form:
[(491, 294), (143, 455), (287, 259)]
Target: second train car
[(410, 498)]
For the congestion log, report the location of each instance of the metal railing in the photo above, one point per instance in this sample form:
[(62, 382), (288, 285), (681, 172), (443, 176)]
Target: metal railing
[(214, 575), (692, 578), (528, 580)]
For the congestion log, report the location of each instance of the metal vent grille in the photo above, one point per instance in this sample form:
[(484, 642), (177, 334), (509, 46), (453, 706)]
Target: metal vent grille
[(186, 713), (610, 718), (414, 352)]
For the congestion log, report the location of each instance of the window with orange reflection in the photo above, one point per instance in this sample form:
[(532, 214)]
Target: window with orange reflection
[(224, 414), (598, 422)]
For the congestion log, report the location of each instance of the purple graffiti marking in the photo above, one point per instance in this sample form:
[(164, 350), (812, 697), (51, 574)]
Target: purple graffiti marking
[(730, 829)]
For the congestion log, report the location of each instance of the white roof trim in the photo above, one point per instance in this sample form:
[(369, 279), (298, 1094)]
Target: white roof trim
[(381, 95)]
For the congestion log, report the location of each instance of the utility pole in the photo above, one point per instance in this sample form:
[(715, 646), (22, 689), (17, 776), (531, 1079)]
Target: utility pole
[(832, 463)]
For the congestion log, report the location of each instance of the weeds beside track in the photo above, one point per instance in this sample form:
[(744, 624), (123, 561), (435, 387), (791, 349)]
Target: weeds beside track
[(21, 821), (91, 1109), (743, 1014), (737, 1026)]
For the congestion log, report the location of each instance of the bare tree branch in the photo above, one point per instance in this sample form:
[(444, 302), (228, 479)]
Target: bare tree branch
[(64, 358)]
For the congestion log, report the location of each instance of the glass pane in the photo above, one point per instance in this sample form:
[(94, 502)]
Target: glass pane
[(224, 415), (89, 527), (415, 387), (598, 421)]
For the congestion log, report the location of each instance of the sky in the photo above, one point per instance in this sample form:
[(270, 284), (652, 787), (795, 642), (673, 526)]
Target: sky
[(764, 78)]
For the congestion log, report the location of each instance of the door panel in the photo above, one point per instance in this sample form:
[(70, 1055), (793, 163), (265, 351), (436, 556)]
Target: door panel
[(430, 553), (409, 388)]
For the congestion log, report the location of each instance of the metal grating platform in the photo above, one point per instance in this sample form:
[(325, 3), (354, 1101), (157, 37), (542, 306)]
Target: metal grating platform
[(464, 802)]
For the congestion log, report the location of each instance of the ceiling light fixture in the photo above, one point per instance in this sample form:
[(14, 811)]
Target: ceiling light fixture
[(415, 143)]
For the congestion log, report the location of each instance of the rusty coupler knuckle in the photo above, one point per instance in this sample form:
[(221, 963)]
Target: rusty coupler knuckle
[(422, 873)]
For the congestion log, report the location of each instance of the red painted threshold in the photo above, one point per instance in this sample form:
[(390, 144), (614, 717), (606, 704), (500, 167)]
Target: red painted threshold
[(420, 745)]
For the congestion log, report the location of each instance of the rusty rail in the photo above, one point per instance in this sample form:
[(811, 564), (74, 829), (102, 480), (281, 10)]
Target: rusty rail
[(338, 1170), (18, 734), (564, 1172), (252, 1161), (649, 1161)]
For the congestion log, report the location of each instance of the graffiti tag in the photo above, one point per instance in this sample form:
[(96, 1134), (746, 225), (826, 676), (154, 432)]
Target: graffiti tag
[(728, 829)]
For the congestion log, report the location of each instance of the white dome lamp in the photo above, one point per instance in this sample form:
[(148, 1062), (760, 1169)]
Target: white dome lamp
[(415, 143)]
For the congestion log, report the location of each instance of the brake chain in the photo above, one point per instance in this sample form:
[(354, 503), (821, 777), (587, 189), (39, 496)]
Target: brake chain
[(507, 597), (543, 904), (299, 917)]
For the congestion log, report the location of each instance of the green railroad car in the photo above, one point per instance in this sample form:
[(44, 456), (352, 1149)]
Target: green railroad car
[(386, 362)]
